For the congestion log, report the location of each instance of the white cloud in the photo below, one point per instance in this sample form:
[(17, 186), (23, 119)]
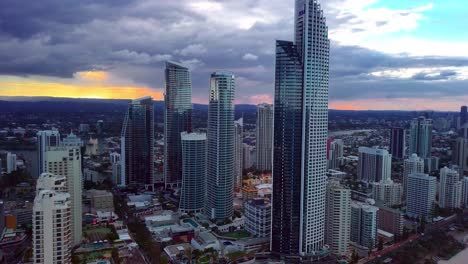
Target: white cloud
[(192, 63), (250, 57), (139, 57), (425, 73), (192, 49)]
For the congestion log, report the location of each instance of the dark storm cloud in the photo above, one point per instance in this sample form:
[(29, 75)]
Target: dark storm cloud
[(132, 39)]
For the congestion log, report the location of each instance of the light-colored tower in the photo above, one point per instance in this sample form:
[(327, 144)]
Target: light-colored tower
[(465, 192), (460, 154), (137, 143), (364, 224), (66, 161), (338, 218), (72, 140), (420, 198), (450, 189), (45, 139), (49, 181), (388, 192), (413, 164), (239, 153), (300, 136), (177, 119), (192, 193), (258, 217), (421, 137), (335, 154), (264, 135), (374, 165), (52, 227), (220, 138)]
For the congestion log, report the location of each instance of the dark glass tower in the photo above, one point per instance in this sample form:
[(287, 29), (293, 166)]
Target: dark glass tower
[(137, 143), (177, 119), (300, 137), (397, 142), (463, 115), (220, 138)]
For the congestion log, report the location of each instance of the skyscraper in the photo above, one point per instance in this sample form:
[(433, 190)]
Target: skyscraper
[(374, 165), (413, 164), (51, 227), (220, 159), (238, 153), (192, 193), (45, 139), (397, 142), (421, 194), (66, 161), (300, 136), (463, 115), (364, 224), (335, 154), (460, 154), (177, 119), (137, 143), (264, 135), (450, 189), (388, 192), (338, 217), (421, 137)]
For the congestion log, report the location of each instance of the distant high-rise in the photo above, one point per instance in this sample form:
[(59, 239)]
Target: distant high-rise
[(338, 218), (238, 153), (421, 137), (220, 159), (397, 142), (421, 194), (192, 193), (374, 165), (264, 135), (300, 136), (388, 192), (465, 192), (177, 119), (2, 216), (450, 189), (137, 143), (460, 154), (66, 161), (100, 127), (413, 164), (364, 224), (463, 115), (335, 154), (45, 139), (248, 156), (51, 227)]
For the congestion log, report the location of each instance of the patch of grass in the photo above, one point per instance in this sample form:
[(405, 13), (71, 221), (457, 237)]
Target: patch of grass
[(238, 234)]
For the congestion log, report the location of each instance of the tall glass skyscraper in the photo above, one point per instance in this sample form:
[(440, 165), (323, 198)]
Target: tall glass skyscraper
[(192, 193), (177, 119), (300, 136), (397, 142), (264, 136), (421, 137), (238, 153), (220, 159), (137, 143)]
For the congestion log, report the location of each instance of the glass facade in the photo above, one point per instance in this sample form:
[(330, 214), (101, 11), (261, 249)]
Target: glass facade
[(138, 142), (220, 159), (177, 119)]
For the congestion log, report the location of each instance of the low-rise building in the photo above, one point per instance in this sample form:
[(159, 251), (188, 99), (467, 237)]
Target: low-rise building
[(258, 217)]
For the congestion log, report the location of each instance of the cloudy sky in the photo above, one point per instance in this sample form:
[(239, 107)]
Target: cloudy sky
[(385, 54)]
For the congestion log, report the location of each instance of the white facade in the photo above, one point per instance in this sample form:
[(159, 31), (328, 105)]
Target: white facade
[(264, 135), (388, 192), (71, 140), (421, 195), (364, 224), (450, 189), (258, 217), (338, 218), (49, 181), (66, 161), (52, 228), (238, 153), (413, 164), (335, 154), (46, 139), (248, 156), (374, 165)]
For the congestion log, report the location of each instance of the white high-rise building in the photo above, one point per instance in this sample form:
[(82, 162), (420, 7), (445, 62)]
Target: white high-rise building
[(421, 137), (364, 224), (264, 135), (248, 156), (66, 161), (52, 227), (300, 136), (72, 140), (49, 181), (421, 195), (388, 192), (258, 217), (238, 153), (335, 154), (413, 164), (450, 189), (45, 139), (374, 165), (338, 218), (460, 154)]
